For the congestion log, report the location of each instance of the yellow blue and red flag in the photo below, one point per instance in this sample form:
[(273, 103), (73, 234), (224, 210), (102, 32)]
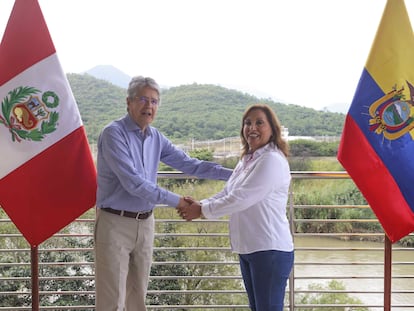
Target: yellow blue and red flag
[(377, 143)]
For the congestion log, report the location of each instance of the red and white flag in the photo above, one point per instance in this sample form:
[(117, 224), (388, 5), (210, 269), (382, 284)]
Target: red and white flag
[(47, 173)]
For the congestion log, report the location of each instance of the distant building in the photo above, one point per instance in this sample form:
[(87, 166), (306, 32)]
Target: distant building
[(285, 133)]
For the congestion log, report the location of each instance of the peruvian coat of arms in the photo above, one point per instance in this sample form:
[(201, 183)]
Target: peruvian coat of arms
[(29, 115)]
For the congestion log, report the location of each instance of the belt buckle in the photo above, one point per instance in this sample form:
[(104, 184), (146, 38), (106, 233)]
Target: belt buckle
[(139, 214)]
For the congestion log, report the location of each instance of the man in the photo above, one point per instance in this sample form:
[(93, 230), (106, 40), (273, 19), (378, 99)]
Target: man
[(129, 152)]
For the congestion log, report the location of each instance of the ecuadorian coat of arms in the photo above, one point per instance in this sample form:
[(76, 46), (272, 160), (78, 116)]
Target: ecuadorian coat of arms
[(29, 114), (392, 115)]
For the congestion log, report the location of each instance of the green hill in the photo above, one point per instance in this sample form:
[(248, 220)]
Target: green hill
[(195, 111)]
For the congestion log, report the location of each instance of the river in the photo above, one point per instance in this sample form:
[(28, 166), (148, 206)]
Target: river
[(355, 277)]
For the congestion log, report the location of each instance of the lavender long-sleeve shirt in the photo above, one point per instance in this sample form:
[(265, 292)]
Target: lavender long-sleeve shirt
[(127, 166)]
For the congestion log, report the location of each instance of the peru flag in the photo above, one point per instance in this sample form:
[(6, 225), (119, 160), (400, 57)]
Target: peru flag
[(47, 173), (377, 144)]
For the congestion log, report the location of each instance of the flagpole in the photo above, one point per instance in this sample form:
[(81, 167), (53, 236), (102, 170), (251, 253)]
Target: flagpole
[(35, 278), (387, 273)]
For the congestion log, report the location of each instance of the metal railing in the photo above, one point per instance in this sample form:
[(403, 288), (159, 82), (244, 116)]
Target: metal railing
[(194, 268)]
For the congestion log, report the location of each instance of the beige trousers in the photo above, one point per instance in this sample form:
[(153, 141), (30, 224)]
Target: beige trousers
[(123, 256)]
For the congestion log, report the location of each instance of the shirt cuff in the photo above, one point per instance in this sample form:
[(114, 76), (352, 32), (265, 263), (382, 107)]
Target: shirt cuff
[(205, 209), (172, 199)]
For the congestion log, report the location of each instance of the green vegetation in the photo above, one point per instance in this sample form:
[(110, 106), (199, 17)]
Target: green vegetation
[(202, 112), (193, 266), (308, 148), (195, 111), (50, 275), (333, 295), (99, 102)]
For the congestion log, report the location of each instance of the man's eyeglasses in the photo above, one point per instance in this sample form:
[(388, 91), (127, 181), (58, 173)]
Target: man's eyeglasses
[(146, 100)]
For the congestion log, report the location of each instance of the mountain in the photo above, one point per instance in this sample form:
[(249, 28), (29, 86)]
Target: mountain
[(195, 111), (119, 78), (111, 74)]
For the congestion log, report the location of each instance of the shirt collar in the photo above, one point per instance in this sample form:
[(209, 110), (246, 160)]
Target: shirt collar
[(259, 152), (133, 127)]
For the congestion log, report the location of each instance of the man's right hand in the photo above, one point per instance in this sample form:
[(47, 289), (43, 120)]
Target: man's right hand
[(189, 209)]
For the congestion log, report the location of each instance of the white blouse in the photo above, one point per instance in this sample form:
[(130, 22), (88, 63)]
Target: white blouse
[(255, 197)]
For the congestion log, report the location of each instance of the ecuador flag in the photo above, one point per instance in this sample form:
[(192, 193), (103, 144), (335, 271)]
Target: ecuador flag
[(47, 174), (377, 143)]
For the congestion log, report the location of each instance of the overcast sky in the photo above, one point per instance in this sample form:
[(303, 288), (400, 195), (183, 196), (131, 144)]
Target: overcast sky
[(305, 52)]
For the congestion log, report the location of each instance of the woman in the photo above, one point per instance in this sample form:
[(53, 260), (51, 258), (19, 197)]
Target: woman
[(255, 197)]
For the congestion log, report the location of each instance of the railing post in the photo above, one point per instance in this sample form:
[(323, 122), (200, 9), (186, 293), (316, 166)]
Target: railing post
[(292, 273), (34, 254), (387, 273)]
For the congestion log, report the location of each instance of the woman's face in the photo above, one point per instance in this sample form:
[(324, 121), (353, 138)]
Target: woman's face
[(256, 129)]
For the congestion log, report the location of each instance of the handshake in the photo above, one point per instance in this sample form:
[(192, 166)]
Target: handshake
[(189, 209)]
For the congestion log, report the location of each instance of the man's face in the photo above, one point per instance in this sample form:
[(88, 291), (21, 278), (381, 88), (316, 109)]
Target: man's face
[(143, 107)]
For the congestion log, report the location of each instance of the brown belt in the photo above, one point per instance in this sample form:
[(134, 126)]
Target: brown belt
[(138, 215)]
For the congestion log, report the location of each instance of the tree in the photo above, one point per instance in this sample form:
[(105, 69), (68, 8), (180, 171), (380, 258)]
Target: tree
[(333, 295)]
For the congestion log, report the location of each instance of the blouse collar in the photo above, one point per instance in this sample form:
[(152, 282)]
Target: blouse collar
[(258, 152)]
